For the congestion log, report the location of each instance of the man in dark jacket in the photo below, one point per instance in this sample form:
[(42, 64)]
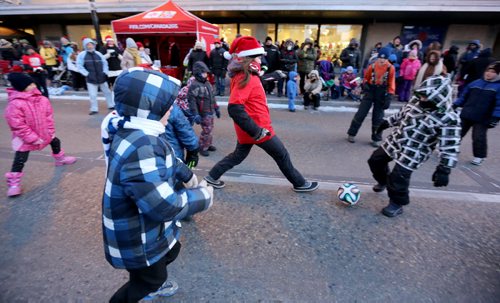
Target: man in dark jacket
[(396, 48), (351, 56), (218, 67), (450, 59), (475, 68), (203, 106), (94, 67), (273, 61), (288, 60), (198, 54)]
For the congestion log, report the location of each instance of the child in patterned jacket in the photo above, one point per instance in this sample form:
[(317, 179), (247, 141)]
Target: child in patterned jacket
[(141, 205), (427, 121)]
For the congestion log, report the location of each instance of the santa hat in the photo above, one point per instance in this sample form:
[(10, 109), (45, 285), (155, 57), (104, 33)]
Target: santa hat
[(246, 46), (139, 45), (109, 38)]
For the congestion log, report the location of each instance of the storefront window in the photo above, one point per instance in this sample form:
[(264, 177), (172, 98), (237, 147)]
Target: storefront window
[(297, 32), (334, 38), (228, 31), (258, 30), (76, 32)]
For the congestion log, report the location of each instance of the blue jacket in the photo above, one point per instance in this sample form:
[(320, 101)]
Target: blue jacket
[(92, 65), (480, 101), (179, 133), (291, 86)]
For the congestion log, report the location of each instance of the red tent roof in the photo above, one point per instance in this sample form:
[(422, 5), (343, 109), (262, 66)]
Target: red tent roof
[(166, 18)]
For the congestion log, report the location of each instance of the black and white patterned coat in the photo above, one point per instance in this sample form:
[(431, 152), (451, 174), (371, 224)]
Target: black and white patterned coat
[(418, 128)]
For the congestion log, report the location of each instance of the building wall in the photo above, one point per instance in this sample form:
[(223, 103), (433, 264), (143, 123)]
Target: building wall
[(49, 31), (461, 34)]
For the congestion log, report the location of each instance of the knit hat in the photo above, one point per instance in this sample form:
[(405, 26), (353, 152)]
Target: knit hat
[(198, 45), (130, 43), (495, 66), (393, 58), (268, 39), (349, 69), (308, 41), (109, 38), (139, 44), (144, 93), (246, 46), (19, 81), (413, 53), (64, 41), (384, 53)]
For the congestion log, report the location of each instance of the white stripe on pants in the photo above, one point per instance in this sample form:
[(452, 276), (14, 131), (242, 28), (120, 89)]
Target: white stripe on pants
[(92, 88)]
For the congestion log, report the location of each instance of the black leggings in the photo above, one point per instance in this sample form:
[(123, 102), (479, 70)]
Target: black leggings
[(22, 156)]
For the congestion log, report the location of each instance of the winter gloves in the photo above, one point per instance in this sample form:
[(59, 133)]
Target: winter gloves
[(192, 158), (262, 134), (441, 176), (192, 183), (493, 122), (197, 119)]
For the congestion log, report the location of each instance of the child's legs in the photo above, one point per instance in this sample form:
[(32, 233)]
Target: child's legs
[(207, 125), (316, 99), (55, 144), (359, 117), (479, 140), (397, 185), (307, 99), (291, 103), (92, 88), (107, 94), (20, 159), (379, 167), (146, 280), (275, 148), (236, 157)]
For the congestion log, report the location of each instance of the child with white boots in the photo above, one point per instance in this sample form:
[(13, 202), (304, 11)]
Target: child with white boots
[(30, 118)]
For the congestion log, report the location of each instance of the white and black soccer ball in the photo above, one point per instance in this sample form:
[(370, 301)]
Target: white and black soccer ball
[(349, 194)]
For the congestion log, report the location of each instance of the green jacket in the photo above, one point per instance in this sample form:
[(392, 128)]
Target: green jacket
[(306, 60)]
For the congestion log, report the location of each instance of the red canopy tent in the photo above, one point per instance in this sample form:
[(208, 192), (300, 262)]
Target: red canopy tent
[(165, 27)]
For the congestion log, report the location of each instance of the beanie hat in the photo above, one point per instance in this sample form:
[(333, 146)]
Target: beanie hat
[(495, 66), (130, 43), (246, 46), (393, 58), (268, 39), (198, 44), (384, 53), (144, 93), (350, 69), (413, 53), (308, 41), (109, 38), (217, 41), (20, 81), (139, 45)]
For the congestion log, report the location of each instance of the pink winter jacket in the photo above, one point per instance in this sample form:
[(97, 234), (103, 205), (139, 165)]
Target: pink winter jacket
[(30, 118), (409, 69)]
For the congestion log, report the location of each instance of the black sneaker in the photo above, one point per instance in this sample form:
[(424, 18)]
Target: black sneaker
[(204, 153), (307, 187), (93, 113), (214, 183), (212, 148), (392, 210), (378, 188)]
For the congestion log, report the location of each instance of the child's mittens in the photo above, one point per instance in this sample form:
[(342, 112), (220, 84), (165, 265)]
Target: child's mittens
[(210, 191), (193, 182), (441, 176)]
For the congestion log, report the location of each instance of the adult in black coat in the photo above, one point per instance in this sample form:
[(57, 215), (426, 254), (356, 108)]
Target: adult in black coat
[(198, 54), (288, 62), (475, 68), (218, 67), (351, 55), (273, 61), (450, 59)]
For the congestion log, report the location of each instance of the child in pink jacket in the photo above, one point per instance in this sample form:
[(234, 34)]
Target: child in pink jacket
[(29, 115), (409, 69)]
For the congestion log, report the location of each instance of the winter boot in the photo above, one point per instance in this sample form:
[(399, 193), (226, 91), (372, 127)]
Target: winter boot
[(62, 159), (14, 183)]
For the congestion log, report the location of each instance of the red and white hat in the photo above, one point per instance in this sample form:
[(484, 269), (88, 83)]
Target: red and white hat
[(246, 46), (109, 38)]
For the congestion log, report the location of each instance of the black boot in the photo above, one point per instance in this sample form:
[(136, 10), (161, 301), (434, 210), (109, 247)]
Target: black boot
[(392, 210), (378, 188)]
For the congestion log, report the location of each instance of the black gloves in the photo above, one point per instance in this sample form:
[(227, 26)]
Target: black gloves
[(192, 158), (263, 133), (197, 119), (493, 122), (217, 112), (441, 176), (383, 126)]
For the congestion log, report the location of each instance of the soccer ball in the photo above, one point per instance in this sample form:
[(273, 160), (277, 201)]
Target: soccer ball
[(349, 194)]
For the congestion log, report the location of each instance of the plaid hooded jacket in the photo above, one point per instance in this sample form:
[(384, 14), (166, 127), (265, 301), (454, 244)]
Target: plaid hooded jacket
[(140, 205)]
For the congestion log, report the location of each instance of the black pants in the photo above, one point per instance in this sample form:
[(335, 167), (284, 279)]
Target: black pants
[(78, 80), (21, 157), (50, 71), (302, 81), (41, 82), (375, 96), (273, 147), (111, 82), (397, 180), (145, 280), (479, 137), (311, 98)]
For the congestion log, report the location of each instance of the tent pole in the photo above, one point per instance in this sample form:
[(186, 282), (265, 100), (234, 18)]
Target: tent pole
[(95, 22)]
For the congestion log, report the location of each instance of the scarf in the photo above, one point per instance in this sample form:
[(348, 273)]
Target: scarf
[(113, 122), (135, 53)]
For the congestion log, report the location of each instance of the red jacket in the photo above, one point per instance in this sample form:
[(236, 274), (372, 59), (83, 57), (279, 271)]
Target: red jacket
[(30, 118), (33, 61), (380, 70), (254, 112)]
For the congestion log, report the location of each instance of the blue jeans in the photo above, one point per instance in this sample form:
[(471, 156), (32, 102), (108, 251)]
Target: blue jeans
[(220, 85)]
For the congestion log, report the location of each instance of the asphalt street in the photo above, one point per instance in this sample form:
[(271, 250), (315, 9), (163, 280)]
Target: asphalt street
[(261, 242)]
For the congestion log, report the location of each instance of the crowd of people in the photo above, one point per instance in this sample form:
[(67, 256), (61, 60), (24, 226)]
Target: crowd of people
[(150, 145)]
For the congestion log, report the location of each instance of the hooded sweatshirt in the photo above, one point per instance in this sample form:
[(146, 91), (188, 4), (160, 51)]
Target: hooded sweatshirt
[(131, 56), (92, 64), (200, 95), (313, 87)]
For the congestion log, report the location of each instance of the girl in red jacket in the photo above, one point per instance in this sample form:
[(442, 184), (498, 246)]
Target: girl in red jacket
[(252, 121), (30, 118)]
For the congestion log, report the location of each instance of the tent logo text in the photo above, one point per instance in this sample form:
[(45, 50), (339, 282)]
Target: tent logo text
[(152, 26), (160, 15)]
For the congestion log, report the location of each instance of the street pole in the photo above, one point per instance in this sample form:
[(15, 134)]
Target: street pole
[(95, 22)]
